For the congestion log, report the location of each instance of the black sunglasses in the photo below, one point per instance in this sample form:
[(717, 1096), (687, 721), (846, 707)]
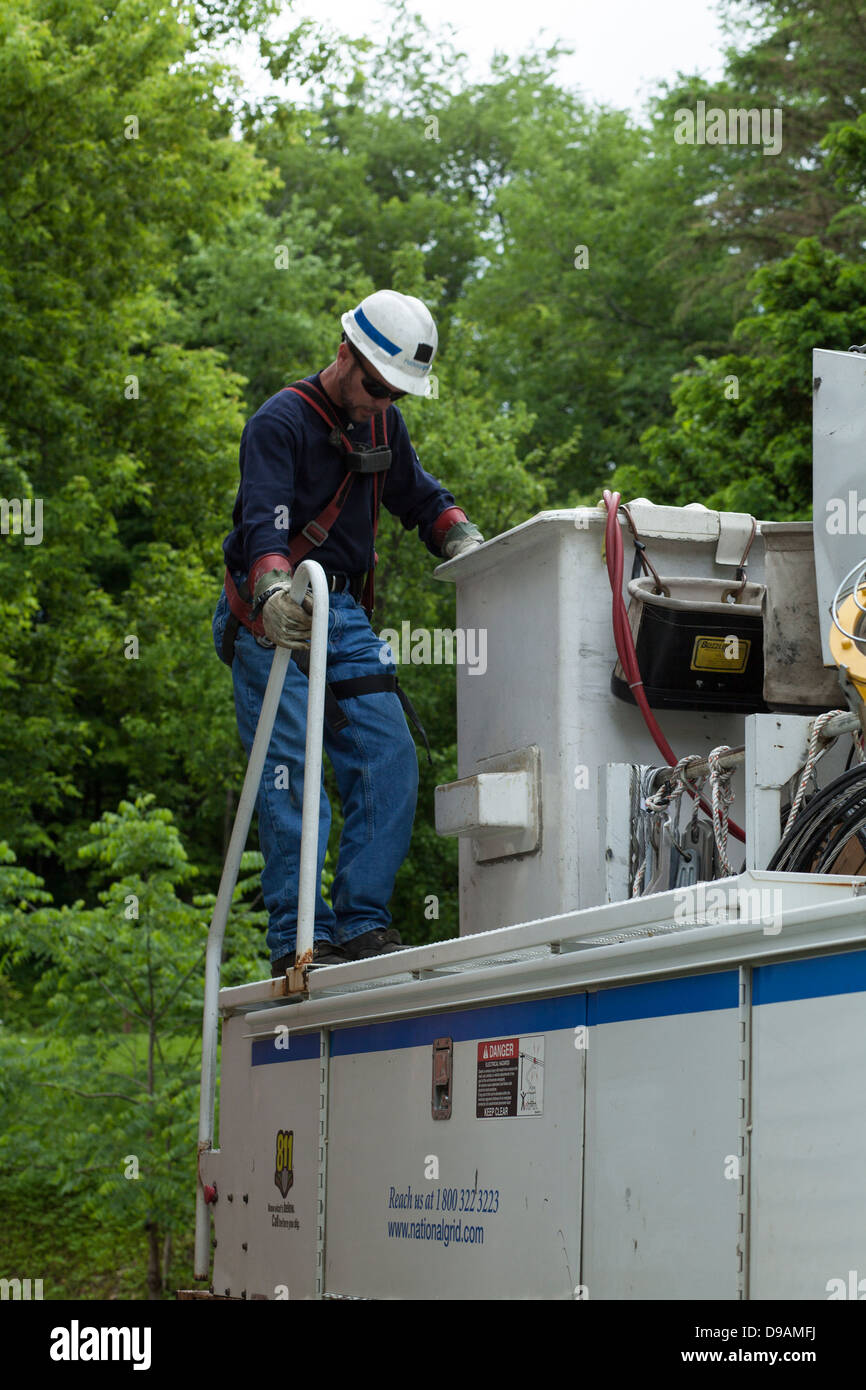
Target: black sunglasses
[(373, 388)]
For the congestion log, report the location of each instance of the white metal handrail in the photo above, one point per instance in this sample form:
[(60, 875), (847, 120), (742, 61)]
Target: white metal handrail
[(307, 573)]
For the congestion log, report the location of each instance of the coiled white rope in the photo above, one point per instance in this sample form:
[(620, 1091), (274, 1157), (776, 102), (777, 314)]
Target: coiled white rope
[(808, 766), (720, 780)]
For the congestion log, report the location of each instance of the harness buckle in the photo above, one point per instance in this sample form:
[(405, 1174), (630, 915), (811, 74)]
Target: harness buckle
[(310, 530)]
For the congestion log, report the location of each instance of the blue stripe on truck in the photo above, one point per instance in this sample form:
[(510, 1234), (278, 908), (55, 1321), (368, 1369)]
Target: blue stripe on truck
[(693, 994), (810, 979), (293, 1047), (465, 1025)]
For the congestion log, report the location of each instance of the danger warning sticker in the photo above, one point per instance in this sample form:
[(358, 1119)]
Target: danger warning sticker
[(510, 1078)]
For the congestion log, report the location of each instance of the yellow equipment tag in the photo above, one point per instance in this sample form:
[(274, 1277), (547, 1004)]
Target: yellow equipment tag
[(721, 654)]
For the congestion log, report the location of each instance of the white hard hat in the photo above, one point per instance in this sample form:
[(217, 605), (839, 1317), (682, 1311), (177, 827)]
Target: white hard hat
[(397, 335)]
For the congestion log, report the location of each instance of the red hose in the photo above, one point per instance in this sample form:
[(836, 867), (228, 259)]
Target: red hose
[(625, 643)]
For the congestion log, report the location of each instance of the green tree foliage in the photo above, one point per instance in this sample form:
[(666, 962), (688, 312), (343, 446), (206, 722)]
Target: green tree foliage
[(116, 151), (268, 293), (578, 304), (806, 62), (401, 157), (741, 438), (100, 1106)]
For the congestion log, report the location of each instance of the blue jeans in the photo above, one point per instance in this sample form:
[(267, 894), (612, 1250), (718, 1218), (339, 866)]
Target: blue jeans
[(376, 767)]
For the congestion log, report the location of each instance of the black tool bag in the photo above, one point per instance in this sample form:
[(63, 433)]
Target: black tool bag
[(696, 648)]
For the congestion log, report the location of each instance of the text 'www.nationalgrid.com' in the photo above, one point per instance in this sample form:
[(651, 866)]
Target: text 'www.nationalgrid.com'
[(445, 1232)]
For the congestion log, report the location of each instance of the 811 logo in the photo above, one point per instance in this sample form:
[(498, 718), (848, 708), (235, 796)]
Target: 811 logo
[(284, 1175)]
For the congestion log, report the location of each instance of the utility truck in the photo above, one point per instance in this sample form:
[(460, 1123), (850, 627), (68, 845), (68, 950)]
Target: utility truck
[(637, 1069)]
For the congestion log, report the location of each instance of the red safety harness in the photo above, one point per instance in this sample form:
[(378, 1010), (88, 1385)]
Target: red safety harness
[(314, 534)]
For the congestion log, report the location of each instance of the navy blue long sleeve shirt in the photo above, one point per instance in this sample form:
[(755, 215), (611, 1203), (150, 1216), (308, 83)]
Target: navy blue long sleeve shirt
[(290, 472)]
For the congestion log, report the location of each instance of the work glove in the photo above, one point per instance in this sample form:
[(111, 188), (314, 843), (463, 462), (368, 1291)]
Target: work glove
[(285, 622), (462, 537)]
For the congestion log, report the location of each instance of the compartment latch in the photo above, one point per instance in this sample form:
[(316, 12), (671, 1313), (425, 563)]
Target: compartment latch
[(443, 1056)]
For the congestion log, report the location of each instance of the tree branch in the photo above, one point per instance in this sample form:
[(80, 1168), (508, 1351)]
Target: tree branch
[(30, 211), (142, 1017), (172, 997), (88, 1095), (625, 317)]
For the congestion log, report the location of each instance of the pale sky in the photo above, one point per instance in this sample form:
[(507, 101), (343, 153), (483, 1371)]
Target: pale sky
[(622, 47)]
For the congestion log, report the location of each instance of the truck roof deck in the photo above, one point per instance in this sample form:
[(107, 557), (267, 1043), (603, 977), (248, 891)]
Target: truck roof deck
[(756, 915)]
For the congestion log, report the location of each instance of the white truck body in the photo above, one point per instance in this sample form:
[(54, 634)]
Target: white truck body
[(582, 1094)]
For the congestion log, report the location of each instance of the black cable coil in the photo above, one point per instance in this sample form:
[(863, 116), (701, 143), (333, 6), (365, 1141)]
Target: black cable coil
[(825, 825)]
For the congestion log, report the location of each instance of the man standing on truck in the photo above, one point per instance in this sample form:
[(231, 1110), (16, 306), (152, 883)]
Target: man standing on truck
[(316, 461)]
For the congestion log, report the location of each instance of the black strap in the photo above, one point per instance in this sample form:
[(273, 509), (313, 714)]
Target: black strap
[(362, 685), (637, 563), (334, 716), (369, 685), (229, 634), (231, 628), (412, 714)]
